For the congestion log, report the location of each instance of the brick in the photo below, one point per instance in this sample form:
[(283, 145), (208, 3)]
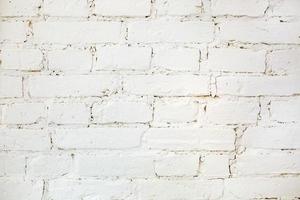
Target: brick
[(251, 8), (284, 8), (284, 61), (177, 165), (257, 31), (70, 8), (236, 60), (127, 8), (13, 32), (62, 189), (179, 189), (23, 113), (114, 166), (272, 163), (18, 8), (170, 31), (14, 189), (124, 111), (179, 7), (24, 140), (190, 139), (163, 85), (70, 60), (76, 32), (21, 59), (123, 58), (12, 165), (279, 108), (281, 137), (149, 99), (175, 110), (10, 86), (214, 166), (252, 188), (226, 111), (49, 166), (258, 85), (98, 138), (72, 86), (69, 113), (176, 59)]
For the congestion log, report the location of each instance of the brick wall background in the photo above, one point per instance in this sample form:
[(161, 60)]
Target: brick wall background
[(149, 100)]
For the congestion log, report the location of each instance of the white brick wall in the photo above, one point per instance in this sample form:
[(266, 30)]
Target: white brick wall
[(149, 99)]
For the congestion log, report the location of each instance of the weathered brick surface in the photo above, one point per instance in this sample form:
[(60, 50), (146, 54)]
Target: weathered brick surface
[(149, 99)]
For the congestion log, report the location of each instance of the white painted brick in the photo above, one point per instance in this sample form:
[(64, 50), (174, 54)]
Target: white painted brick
[(163, 85), (114, 165), (125, 111), (175, 110), (179, 189), (49, 166), (258, 85), (128, 8), (176, 59), (24, 139), (15, 189), (284, 61), (179, 7), (70, 60), (19, 8), (76, 32), (281, 137), (12, 32), (12, 165), (253, 188), (69, 113), (214, 166), (177, 165), (236, 60), (62, 189), (226, 111), (252, 8), (149, 99), (72, 86), (10, 86), (279, 109), (170, 31), (98, 138), (257, 31), (273, 163), (123, 58), (72, 8), (23, 113), (21, 59), (190, 139), (284, 7)]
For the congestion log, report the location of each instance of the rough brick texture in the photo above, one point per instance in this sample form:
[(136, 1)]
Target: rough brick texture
[(149, 99)]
